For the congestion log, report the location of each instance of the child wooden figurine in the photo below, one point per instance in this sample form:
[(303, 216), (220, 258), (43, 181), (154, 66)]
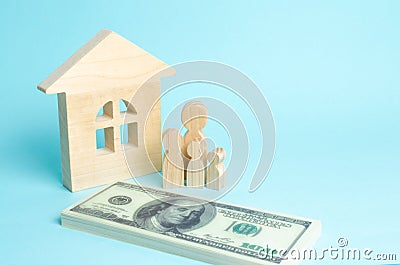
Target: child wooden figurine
[(216, 170)]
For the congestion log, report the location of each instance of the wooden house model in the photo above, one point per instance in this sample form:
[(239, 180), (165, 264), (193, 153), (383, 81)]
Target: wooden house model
[(110, 126)]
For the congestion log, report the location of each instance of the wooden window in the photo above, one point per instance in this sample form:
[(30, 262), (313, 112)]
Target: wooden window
[(129, 135), (105, 140), (126, 107), (105, 112)]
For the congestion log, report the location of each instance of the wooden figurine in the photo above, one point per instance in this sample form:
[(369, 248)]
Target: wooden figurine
[(194, 155), (195, 171), (102, 78), (215, 177), (173, 166), (194, 117)]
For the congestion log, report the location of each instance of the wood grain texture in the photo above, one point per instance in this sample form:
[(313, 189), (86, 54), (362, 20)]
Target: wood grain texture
[(107, 61), (196, 169), (194, 117), (173, 166), (105, 70), (216, 177)]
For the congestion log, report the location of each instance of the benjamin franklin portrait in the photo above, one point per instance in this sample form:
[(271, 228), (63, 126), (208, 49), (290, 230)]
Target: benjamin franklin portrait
[(174, 215)]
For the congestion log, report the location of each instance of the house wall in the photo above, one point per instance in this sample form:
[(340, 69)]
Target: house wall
[(90, 167), (64, 146)]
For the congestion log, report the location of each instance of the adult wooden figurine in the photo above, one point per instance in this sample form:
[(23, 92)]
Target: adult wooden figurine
[(195, 171), (173, 166)]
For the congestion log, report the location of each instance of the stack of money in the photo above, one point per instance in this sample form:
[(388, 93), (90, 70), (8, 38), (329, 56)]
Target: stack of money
[(212, 232)]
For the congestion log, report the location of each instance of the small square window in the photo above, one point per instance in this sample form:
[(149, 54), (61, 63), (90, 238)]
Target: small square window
[(129, 134), (105, 140)]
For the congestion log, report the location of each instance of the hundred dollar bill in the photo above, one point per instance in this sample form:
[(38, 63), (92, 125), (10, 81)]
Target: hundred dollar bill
[(213, 232)]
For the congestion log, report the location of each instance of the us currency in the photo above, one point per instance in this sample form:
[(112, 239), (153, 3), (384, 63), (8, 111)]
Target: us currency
[(209, 231)]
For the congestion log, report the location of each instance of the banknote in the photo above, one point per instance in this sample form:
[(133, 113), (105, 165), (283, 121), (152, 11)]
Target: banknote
[(210, 231)]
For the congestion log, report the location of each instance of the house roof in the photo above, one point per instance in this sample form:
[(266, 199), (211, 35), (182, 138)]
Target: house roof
[(107, 61)]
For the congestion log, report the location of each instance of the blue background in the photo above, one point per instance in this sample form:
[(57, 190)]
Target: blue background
[(329, 70)]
